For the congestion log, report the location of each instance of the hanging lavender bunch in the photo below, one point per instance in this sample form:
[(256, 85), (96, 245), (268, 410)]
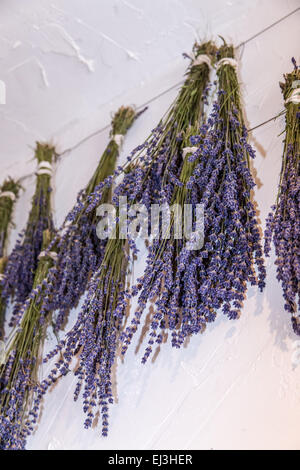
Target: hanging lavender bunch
[(26, 345), (79, 251), (94, 337), (283, 222), (8, 195), (188, 286), (22, 262), (19, 370)]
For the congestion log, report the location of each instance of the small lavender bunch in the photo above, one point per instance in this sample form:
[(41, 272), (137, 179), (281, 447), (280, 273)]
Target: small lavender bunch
[(8, 195), (283, 222), (79, 250), (94, 337), (23, 261), (23, 349), (188, 286)]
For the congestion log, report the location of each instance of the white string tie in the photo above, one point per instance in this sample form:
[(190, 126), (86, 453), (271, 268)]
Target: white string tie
[(202, 59), (44, 168), (44, 171), (294, 97), (9, 194), (118, 139), (227, 61)]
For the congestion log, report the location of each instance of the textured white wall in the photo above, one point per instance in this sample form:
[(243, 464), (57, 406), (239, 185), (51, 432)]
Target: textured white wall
[(67, 65)]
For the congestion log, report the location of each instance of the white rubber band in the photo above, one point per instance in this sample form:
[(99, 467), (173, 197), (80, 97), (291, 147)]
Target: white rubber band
[(118, 139), (45, 164), (44, 168), (9, 194), (187, 150), (51, 254), (2, 277), (294, 97), (202, 59), (44, 171), (227, 61)]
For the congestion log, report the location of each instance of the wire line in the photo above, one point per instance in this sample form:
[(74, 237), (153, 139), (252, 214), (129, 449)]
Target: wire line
[(159, 95)]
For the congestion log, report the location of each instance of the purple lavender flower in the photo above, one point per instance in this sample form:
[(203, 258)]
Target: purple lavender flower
[(283, 222)]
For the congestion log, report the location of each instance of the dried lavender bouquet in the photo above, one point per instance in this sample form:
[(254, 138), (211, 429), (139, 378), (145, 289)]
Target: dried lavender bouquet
[(283, 222), (79, 251), (188, 286), (151, 166), (19, 371), (8, 195), (23, 261)]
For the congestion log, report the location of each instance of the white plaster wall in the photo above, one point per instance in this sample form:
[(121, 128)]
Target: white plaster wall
[(67, 65)]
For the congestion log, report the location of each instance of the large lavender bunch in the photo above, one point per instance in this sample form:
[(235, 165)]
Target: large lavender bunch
[(23, 261), (79, 251), (94, 338), (19, 370), (188, 286), (283, 222), (8, 194)]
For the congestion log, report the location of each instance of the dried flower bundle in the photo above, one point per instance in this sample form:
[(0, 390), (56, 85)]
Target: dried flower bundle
[(283, 222), (23, 261), (19, 373), (8, 194), (79, 251), (189, 286), (149, 175)]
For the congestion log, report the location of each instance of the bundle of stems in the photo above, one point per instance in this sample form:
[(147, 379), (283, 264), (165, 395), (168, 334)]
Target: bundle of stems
[(283, 222), (79, 250), (23, 261), (19, 373), (150, 173), (189, 282), (8, 195)]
